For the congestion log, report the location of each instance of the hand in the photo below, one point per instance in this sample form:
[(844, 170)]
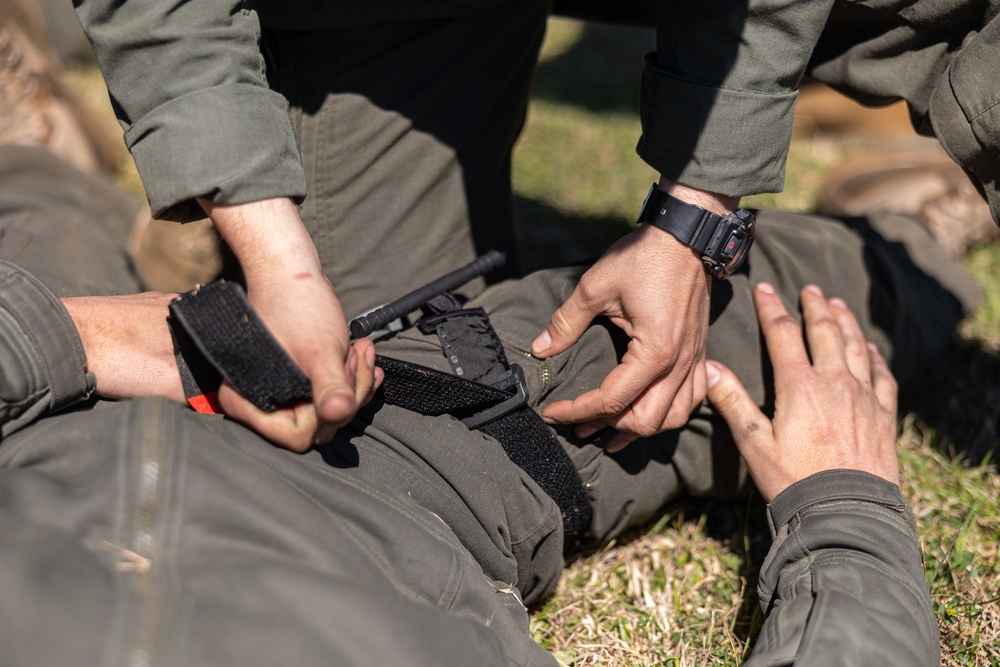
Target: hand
[(288, 289), (128, 345), (836, 412), (656, 290), (287, 425)]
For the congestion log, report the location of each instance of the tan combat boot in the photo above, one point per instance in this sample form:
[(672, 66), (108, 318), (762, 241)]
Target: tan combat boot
[(921, 182)]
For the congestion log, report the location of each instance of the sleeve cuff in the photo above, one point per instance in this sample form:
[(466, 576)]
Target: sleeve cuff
[(46, 356), (833, 486), (229, 144), (732, 142), (965, 115)]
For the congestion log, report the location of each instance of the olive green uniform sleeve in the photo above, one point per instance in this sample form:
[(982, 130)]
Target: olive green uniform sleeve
[(843, 583), (43, 362), (718, 95), (938, 55), (187, 82)]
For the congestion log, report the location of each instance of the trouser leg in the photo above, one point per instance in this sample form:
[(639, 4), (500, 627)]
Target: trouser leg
[(144, 532), (66, 227), (406, 131), (897, 276)]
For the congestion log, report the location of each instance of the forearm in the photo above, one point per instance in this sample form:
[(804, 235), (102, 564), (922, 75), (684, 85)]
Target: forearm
[(843, 583), (41, 354), (188, 85)]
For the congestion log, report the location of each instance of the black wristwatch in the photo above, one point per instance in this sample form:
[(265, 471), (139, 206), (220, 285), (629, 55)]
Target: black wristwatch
[(722, 241)]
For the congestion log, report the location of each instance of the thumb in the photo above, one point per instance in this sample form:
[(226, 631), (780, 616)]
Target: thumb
[(566, 326), (333, 394), (731, 400)]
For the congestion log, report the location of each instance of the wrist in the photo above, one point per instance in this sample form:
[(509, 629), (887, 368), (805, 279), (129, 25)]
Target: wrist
[(719, 234), (266, 236), (673, 252), (710, 201)]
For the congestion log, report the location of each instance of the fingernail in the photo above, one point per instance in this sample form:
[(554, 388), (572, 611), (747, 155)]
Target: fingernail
[(813, 289), (542, 343), (549, 420), (837, 302), (370, 355), (352, 360), (584, 432), (766, 288), (712, 374)]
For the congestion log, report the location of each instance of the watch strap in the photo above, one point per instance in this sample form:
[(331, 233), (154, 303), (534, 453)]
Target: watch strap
[(691, 225)]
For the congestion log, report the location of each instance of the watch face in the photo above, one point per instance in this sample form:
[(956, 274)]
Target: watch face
[(734, 239)]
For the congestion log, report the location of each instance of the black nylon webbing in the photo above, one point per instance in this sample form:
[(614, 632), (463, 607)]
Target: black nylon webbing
[(224, 329), (526, 439)]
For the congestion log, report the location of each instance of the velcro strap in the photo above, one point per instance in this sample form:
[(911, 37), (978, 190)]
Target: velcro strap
[(223, 326)]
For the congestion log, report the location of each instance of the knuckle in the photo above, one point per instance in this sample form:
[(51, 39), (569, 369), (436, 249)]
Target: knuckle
[(826, 323), (612, 405), (844, 382), (675, 421), (299, 444), (560, 323), (646, 428), (786, 324)]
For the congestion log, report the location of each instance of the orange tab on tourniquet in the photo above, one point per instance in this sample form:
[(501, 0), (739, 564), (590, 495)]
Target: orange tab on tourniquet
[(207, 404)]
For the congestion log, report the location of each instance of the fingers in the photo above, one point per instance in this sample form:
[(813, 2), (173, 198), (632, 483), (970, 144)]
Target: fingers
[(782, 334), (368, 378), (750, 427), (826, 340), (292, 428), (566, 326), (299, 428), (614, 397), (883, 383), (856, 350)]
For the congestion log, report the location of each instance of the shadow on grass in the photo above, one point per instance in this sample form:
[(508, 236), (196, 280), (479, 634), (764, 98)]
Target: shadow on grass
[(960, 402)]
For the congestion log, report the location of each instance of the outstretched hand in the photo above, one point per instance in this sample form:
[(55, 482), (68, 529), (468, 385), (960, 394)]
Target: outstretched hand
[(835, 411)]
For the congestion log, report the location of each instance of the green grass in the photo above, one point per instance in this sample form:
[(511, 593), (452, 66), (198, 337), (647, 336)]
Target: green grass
[(681, 592)]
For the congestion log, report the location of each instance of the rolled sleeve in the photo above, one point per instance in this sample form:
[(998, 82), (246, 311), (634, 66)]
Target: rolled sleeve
[(229, 144), (188, 84), (843, 583), (718, 96), (722, 140), (965, 111)]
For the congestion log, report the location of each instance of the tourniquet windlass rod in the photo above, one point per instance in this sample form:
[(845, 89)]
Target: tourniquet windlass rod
[(365, 324)]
